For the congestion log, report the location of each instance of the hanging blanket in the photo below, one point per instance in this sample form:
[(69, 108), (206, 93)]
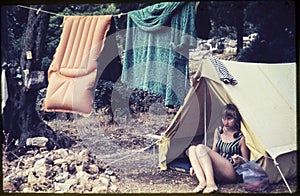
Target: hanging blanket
[(73, 70), (158, 39)]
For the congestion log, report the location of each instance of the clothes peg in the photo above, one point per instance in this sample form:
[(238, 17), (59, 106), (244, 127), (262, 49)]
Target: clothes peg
[(26, 72), (28, 55), (38, 11)]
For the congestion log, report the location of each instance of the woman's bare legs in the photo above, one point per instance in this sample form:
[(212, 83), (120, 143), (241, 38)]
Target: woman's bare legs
[(223, 169), (192, 154), (208, 164)]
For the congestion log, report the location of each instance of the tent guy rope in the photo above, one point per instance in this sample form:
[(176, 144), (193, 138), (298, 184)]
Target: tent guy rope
[(279, 170), (135, 152)]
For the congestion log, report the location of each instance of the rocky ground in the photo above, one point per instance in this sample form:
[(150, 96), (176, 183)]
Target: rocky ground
[(108, 158)]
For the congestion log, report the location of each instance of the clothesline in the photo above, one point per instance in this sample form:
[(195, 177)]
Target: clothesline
[(40, 10), (53, 13)]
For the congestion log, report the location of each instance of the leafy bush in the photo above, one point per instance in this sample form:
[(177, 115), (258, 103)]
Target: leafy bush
[(275, 24)]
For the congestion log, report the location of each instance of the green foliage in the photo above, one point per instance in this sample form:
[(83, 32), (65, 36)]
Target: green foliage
[(16, 24), (225, 12), (274, 21), (249, 28), (219, 31), (275, 25), (90, 9), (228, 14)]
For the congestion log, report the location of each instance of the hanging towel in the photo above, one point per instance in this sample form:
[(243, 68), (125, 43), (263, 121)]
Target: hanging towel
[(4, 91), (73, 70), (222, 71), (156, 57)]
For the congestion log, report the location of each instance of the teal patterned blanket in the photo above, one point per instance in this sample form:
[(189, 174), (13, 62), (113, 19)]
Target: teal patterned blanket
[(158, 39)]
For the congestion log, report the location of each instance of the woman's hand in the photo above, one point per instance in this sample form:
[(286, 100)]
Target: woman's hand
[(238, 159)]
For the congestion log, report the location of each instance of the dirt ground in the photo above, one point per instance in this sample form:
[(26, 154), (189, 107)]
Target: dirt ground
[(122, 147), (128, 150)]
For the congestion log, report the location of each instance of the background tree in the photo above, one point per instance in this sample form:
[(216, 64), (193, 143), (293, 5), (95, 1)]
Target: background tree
[(20, 118), (13, 26), (275, 23), (4, 36), (228, 20)]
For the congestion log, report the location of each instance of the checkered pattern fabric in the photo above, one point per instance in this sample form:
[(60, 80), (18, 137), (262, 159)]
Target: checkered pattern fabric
[(222, 71)]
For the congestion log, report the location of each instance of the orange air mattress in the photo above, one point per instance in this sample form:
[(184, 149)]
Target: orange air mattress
[(73, 70)]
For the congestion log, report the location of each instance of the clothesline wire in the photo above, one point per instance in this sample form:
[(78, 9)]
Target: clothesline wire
[(53, 13), (40, 10)]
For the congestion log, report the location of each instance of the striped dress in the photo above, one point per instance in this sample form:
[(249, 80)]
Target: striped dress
[(227, 149)]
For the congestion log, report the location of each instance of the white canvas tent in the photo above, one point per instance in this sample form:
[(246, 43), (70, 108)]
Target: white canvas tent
[(266, 97)]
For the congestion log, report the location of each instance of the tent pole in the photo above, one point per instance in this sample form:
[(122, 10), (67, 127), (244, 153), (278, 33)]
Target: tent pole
[(204, 113), (277, 166)]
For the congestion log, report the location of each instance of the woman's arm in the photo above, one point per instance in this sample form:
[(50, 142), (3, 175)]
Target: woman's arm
[(244, 149), (214, 148), (245, 153)]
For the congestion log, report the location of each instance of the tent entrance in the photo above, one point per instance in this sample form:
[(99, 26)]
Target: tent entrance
[(180, 164)]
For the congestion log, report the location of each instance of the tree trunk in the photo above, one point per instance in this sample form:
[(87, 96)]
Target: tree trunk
[(240, 31), (239, 35), (4, 36), (20, 118), (239, 24)]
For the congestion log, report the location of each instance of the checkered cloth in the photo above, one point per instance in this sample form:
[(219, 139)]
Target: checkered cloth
[(222, 71)]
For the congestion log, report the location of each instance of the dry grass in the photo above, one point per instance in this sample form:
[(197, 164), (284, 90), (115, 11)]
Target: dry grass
[(118, 145)]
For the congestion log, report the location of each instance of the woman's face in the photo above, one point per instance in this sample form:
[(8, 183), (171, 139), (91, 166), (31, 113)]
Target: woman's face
[(228, 122)]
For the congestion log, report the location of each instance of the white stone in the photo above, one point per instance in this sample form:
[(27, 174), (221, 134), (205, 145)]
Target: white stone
[(232, 43), (27, 190), (32, 179), (85, 153), (36, 141), (113, 188), (61, 187), (62, 177), (83, 178), (113, 178), (93, 169), (99, 189), (60, 153), (40, 162), (104, 180), (230, 50), (59, 161)]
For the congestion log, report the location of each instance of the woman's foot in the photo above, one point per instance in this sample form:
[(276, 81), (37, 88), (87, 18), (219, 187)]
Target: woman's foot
[(211, 189), (199, 188)]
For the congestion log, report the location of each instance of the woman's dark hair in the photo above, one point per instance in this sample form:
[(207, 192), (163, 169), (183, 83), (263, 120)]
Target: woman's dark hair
[(231, 111)]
